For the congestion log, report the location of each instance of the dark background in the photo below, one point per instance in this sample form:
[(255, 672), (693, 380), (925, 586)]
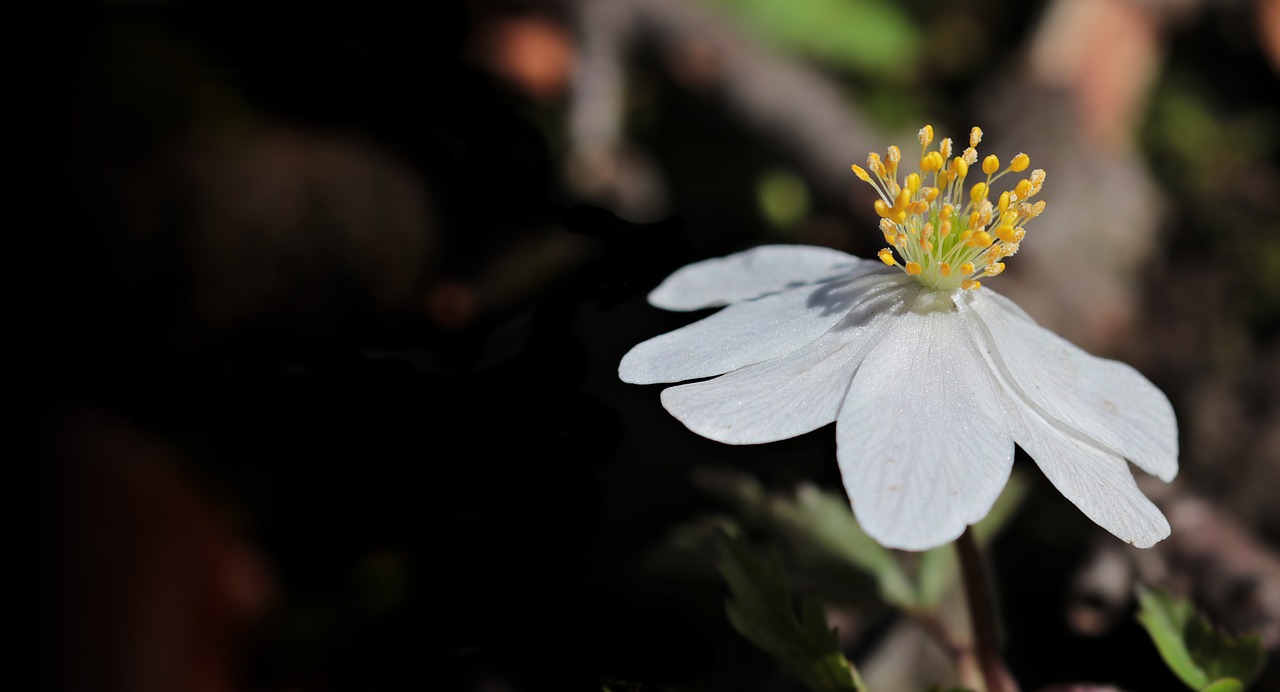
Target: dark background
[(326, 335)]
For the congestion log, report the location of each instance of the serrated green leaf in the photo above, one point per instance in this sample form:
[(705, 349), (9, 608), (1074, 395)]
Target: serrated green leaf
[(816, 524), (760, 609), (1203, 658)]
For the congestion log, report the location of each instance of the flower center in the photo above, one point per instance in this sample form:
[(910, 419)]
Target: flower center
[(946, 234)]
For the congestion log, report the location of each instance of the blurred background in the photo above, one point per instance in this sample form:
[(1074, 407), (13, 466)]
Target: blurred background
[(327, 305)]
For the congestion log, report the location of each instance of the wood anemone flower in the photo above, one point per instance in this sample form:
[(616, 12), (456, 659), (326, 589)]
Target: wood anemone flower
[(929, 377)]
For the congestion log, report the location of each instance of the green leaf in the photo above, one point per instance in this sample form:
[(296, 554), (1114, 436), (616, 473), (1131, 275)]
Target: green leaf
[(1200, 656), (761, 610)]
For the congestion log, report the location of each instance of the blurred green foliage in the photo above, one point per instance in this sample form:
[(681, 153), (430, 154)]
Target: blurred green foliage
[(867, 36)]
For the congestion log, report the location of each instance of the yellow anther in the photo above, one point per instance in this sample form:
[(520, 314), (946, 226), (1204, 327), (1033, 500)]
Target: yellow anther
[(888, 237), (978, 192), (913, 183), (876, 166), (1023, 189), (1018, 234), (944, 228), (888, 226), (1020, 163), (965, 236), (944, 148), (929, 194), (959, 167), (904, 198), (861, 173), (991, 164), (993, 269), (894, 154), (926, 231), (970, 284), (947, 211), (918, 207), (944, 269), (1037, 209), (1005, 233), (1037, 179), (931, 161), (900, 241), (945, 178), (973, 219), (980, 239), (886, 256), (975, 136), (966, 268), (913, 268), (926, 135), (970, 156), (1003, 204), (1009, 217), (882, 209)]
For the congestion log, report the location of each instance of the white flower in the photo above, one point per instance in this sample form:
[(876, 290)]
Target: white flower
[(930, 384)]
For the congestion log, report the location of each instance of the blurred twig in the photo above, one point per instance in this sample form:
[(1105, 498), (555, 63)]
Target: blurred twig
[(785, 102)]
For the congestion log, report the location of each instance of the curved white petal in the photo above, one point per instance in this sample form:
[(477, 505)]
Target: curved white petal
[(1102, 399), (789, 395), (753, 273), (752, 331), (923, 452), (1097, 482)]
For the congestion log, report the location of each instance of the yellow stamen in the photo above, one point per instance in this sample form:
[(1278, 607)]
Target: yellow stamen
[(980, 239), (978, 192), (1022, 190), (926, 135), (913, 183), (969, 227)]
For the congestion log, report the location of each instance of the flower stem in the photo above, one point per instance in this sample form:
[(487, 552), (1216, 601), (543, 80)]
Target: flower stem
[(981, 611)]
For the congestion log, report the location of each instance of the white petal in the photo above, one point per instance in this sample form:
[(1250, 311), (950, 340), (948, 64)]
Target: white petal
[(784, 397), (752, 331), (1099, 483), (1101, 399), (921, 451), (753, 273)]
